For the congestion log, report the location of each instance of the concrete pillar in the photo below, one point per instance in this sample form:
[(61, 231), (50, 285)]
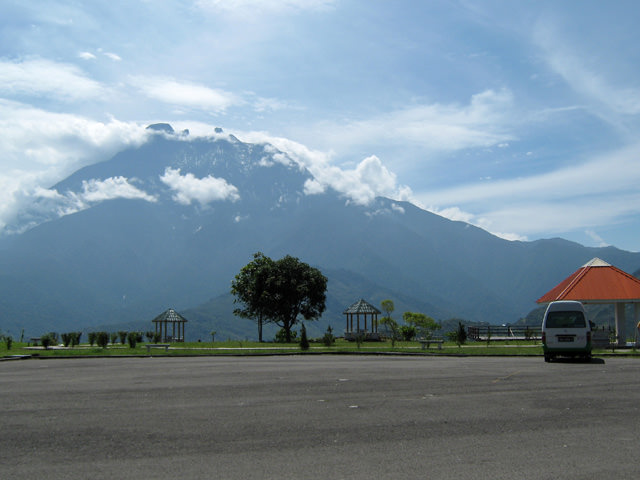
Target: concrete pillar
[(621, 331)]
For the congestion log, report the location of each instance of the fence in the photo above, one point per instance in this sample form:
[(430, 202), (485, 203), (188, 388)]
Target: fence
[(503, 332)]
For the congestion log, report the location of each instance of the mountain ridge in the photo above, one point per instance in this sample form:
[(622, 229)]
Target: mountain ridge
[(170, 222)]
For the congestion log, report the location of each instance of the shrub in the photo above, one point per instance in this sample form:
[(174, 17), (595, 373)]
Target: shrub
[(46, 340), (92, 338), (157, 337), (66, 339), (304, 341), (114, 337), (9, 341), (75, 340), (281, 336), (123, 336), (150, 335), (132, 338), (407, 332), (328, 339), (102, 339)]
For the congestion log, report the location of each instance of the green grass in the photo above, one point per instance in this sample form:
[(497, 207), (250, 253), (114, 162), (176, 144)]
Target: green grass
[(254, 348)]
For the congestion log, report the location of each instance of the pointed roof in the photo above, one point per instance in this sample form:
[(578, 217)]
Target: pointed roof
[(596, 282), (170, 316), (361, 306)]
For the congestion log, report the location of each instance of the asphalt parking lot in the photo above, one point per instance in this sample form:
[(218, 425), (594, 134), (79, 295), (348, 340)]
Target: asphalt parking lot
[(347, 417)]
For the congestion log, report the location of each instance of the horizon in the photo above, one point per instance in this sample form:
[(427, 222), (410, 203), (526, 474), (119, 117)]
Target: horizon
[(519, 119)]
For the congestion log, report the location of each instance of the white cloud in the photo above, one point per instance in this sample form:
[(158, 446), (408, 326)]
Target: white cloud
[(40, 148), (369, 179), (185, 94), (40, 77), (86, 56), (205, 190), (111, 188), (598, 192), (589, 80), (113, 56), (485, 121), (253, 6)]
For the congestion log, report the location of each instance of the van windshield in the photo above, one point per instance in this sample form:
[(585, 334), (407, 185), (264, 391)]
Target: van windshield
[(566, 320)]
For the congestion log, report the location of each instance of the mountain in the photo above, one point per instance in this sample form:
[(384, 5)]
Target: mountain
[(169, 224)]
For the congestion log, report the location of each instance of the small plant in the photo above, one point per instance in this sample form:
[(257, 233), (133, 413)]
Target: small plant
[(75, 340), (9, 341), (123, 336), (102, 339), (528, 334), (92, 338), (213, 336), (304, 341), (328, 339), (157, 337), (114, 337), (488, 335), (66, 339)]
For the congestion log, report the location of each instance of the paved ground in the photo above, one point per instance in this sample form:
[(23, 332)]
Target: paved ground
[(324, 417)]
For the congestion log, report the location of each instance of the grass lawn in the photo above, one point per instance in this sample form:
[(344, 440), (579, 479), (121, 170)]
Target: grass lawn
[(511, 348)]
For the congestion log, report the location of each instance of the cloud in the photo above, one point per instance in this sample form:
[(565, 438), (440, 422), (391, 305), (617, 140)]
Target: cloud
[(185, 94), (369, 179), (485, 121), (86, 56), (111, 188), (47, 204), (113, 56), (43, 78), (600, 191), (39, 148), (590, 81), (253, 6), (205, 190)]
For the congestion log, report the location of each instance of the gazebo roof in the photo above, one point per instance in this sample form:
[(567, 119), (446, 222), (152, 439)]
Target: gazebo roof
[(170, 316), (361, 306), (596, 282)]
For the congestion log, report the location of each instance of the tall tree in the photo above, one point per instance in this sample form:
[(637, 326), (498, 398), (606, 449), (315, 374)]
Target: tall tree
[(388, 307), (250, 288), (296, 289)]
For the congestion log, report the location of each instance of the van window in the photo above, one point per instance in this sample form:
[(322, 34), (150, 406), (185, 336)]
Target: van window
[(566, 320)]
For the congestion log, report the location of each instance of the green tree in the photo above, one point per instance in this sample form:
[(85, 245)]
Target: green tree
[(304, 341), (295, 289), (389, 323), (250, 289), (425, 326), (459, 335)]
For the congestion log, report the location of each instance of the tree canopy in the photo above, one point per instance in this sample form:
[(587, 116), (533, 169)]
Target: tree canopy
[(279, 291), (250, 288)]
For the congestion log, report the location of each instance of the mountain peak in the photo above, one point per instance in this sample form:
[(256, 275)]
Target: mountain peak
[(161, 127)]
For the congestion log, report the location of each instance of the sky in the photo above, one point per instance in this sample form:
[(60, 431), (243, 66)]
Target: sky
[(519, 117)]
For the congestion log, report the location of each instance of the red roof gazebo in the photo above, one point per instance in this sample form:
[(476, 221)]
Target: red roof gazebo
[(599, 282)]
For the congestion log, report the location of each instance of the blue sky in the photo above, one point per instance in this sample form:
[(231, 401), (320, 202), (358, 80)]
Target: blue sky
[(519, 117)]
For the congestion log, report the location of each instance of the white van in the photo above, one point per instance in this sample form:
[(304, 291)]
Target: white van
[(566, 331)]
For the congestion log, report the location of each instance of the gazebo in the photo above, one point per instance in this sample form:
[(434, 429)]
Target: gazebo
[(175, 319), (361, 307), (599, 282)]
